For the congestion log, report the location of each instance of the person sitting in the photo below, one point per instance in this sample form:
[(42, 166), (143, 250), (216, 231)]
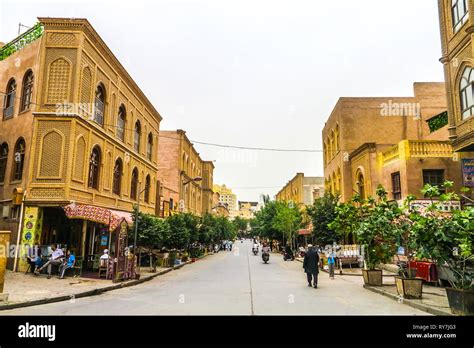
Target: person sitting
[(104, 259), (69, 263), (34, 257), (54, 260)]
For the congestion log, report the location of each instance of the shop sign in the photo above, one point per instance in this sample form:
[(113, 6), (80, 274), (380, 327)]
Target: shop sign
[(468, 172), (31, 234)]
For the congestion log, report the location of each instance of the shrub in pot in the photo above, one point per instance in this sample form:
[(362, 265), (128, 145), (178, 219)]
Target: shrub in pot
[(447, 239), (376, 231), (408, 286)]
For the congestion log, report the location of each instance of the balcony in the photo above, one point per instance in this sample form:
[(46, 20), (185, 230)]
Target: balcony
[(418, 149)]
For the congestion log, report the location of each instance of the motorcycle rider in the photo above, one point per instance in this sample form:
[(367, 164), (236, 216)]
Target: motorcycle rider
[(255, 246), (289, 253), (265, 250)]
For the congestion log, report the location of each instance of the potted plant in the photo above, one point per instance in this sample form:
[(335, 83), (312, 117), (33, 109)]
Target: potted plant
[(407, 284), (376, 232), (185, 257), (447, 239)]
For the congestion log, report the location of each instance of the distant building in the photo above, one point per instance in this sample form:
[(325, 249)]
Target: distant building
[(185, 178), (219, 208), (302, 190), (226, 196), (247, 210)]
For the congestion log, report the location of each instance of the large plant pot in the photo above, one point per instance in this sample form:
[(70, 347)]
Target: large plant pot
[(409, 287), (461, 302), (372, 277)]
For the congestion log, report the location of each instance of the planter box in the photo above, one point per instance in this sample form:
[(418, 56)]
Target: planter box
[(461, 302), (372, 277), (409, 287)]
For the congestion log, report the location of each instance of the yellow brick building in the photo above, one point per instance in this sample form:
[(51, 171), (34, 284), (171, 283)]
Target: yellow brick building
[(227, 197), (302, 190), (456, 25), (75, 129)]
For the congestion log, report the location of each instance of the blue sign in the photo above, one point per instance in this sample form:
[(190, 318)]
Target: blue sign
[(468, 172), (28, 235)]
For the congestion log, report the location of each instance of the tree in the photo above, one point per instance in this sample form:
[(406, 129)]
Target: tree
[(323, 213), (287, 220), (240, 225), (180, 234), (152, 232)]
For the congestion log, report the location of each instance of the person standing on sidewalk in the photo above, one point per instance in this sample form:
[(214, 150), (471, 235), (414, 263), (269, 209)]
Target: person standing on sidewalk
[(310, 265), (331, 264)]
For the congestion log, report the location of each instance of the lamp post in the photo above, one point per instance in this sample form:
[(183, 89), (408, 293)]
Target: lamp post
[(196, 179), (137, 210)]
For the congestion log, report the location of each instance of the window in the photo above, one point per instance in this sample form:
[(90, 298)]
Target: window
[(361, 185), (396, 186), (134, 184), (434, 177), (27, 92), (94, 168), (121, 123), (19, 160), (171, 204), (459, 13), (118, 168), (149, 146), (147, 189), (9, 103), (3, 161), (99, 105), (466, 91), (136, 136)]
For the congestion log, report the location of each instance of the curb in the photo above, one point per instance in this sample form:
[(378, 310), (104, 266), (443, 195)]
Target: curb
[(93, 292), (408, 302)]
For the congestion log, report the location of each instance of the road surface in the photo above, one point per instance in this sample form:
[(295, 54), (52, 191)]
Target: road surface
[(233, 283)]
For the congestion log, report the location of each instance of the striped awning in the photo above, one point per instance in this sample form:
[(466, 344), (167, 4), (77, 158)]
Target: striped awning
[(100, 215)]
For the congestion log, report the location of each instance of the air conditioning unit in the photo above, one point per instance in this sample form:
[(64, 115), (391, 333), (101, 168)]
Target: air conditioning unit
[(6, 211)]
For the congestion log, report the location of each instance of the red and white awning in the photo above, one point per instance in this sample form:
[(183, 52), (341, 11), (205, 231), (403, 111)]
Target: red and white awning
[(100, 215)]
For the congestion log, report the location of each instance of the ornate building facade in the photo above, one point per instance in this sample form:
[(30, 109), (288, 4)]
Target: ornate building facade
[(75, 129)]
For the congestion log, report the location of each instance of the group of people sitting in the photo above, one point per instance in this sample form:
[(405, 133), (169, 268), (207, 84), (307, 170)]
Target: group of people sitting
[(57, 258)]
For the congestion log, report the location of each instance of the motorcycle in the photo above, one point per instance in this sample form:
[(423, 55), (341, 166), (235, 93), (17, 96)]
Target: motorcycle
[(288, 256), (265, 257), (255, 251)]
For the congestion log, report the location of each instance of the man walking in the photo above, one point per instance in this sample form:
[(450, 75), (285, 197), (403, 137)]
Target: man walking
[(310, 265)]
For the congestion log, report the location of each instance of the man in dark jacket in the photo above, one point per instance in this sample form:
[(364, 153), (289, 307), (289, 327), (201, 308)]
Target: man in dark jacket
[(310, 265)]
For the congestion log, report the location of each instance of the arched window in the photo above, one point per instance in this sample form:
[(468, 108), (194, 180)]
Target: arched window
[(459, 11), (99, 105), (27, 92), (361, 185), (134, 184), (147, 189), (9, 104), (19, 160), (136, 136), (466, 93), (94, 167), (118, 169), (121, 123), (149, 146), (3, 161)]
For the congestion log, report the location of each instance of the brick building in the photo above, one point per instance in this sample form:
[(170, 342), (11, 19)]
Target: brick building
[(185, 178), (399, 142), (302, 190), (75, 131)]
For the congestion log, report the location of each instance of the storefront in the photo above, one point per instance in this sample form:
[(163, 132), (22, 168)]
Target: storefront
[(86, 230)]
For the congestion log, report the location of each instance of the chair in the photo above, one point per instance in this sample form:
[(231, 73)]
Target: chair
[(103, 264), (77, 267)]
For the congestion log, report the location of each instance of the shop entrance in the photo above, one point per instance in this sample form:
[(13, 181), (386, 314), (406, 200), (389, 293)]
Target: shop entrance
[(97, 240), (57, 228)]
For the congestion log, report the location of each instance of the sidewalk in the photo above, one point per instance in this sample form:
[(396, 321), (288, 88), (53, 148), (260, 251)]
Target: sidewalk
[(433, 301), (28, 290)]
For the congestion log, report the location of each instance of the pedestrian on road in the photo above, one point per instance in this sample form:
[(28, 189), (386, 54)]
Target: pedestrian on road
[(310, 265), (331, 264)]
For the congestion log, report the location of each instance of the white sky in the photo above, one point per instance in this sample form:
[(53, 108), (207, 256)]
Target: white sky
[(257, 73)]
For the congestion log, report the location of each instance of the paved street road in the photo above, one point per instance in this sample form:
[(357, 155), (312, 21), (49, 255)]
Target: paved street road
[(233, 283)]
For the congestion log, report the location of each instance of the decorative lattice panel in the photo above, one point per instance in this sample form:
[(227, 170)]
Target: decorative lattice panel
[(86, 85), (62, 39), (59, 75), (79, 160), (44, 127), (54, 93), (47, 193), (51, 151)]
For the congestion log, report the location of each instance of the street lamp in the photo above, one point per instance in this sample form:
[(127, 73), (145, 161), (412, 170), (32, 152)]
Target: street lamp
[(196, 179), (136, 216)]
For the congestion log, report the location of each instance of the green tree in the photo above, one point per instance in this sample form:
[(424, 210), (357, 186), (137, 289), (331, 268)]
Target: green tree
[(240, 225), (287, 220), (322, 213)]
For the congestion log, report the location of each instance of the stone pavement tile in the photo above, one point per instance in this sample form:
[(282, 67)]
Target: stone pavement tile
[(23, 287)]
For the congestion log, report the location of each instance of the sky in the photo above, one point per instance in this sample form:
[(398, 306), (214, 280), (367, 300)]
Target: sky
[(256, 73)]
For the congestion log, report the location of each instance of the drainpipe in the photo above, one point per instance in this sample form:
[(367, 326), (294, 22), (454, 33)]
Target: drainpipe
[(20, 227)]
